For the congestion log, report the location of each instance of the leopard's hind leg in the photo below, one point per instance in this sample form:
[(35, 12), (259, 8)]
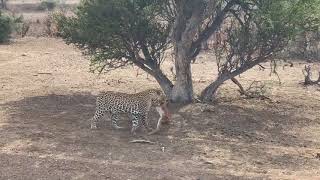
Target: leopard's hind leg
[(97, 115), (114, 120)]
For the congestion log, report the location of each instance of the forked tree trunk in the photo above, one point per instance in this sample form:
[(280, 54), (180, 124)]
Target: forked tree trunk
[(186, 26)]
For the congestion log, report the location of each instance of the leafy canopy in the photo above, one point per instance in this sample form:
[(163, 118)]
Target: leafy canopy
[(259, 29), (114, 32)]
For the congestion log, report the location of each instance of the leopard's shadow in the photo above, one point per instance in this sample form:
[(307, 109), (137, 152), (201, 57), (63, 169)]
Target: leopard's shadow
[(60, 125), (55, 113)]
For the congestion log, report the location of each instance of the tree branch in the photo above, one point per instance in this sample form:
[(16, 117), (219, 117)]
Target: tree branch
[(241, 89), (209, 30)]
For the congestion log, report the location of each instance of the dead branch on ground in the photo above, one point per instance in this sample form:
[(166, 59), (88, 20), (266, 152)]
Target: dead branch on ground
[(307, 72), (142, 141), (253, 91)]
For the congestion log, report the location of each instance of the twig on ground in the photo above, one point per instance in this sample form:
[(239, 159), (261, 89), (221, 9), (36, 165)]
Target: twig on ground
[(44, 73), (142, 141)]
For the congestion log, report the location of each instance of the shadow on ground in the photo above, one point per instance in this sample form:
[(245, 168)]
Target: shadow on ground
[(201, 141)]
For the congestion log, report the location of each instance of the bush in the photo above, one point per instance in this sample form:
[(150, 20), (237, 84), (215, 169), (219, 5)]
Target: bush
[(20, 26), (52, 24), (47, 5), (5, 27), (10, 24)]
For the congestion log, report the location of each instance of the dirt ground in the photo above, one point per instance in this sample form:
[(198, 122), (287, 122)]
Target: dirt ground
[(47, 97)]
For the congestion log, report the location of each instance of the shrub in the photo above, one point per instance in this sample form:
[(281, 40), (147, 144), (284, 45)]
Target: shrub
[(22, 28), (51, 23), (47, 5), (5, 27), (10, 24)]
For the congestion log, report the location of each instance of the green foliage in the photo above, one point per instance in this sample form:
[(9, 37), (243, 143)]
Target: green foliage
[(263, 28), (114, 32), (48, 5), (266, 27), (8, 24), (287, 18), (5, 27)]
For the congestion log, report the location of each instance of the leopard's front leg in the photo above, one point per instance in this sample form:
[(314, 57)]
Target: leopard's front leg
[(135, 123)]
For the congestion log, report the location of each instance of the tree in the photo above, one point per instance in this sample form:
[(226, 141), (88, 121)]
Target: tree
[(195, 22), (121, 32)]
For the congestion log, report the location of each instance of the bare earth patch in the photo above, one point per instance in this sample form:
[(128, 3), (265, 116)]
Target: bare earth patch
[(47, 97)]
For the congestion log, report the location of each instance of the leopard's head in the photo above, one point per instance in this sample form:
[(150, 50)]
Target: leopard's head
[(158, 98), (161, 101)]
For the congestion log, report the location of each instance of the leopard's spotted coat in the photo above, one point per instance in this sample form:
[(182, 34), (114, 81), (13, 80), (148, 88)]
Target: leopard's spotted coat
[(137, 105)]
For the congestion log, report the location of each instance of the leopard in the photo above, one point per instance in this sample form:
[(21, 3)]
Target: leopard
[(137, 105)]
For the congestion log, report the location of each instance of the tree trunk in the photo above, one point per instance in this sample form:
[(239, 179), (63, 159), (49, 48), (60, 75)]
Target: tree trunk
[(183, 89), (165, 83), (208, 94), (188, 20), (3, 4)]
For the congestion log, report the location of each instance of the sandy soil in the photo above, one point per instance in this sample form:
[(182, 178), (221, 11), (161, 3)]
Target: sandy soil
[(47, 97)]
